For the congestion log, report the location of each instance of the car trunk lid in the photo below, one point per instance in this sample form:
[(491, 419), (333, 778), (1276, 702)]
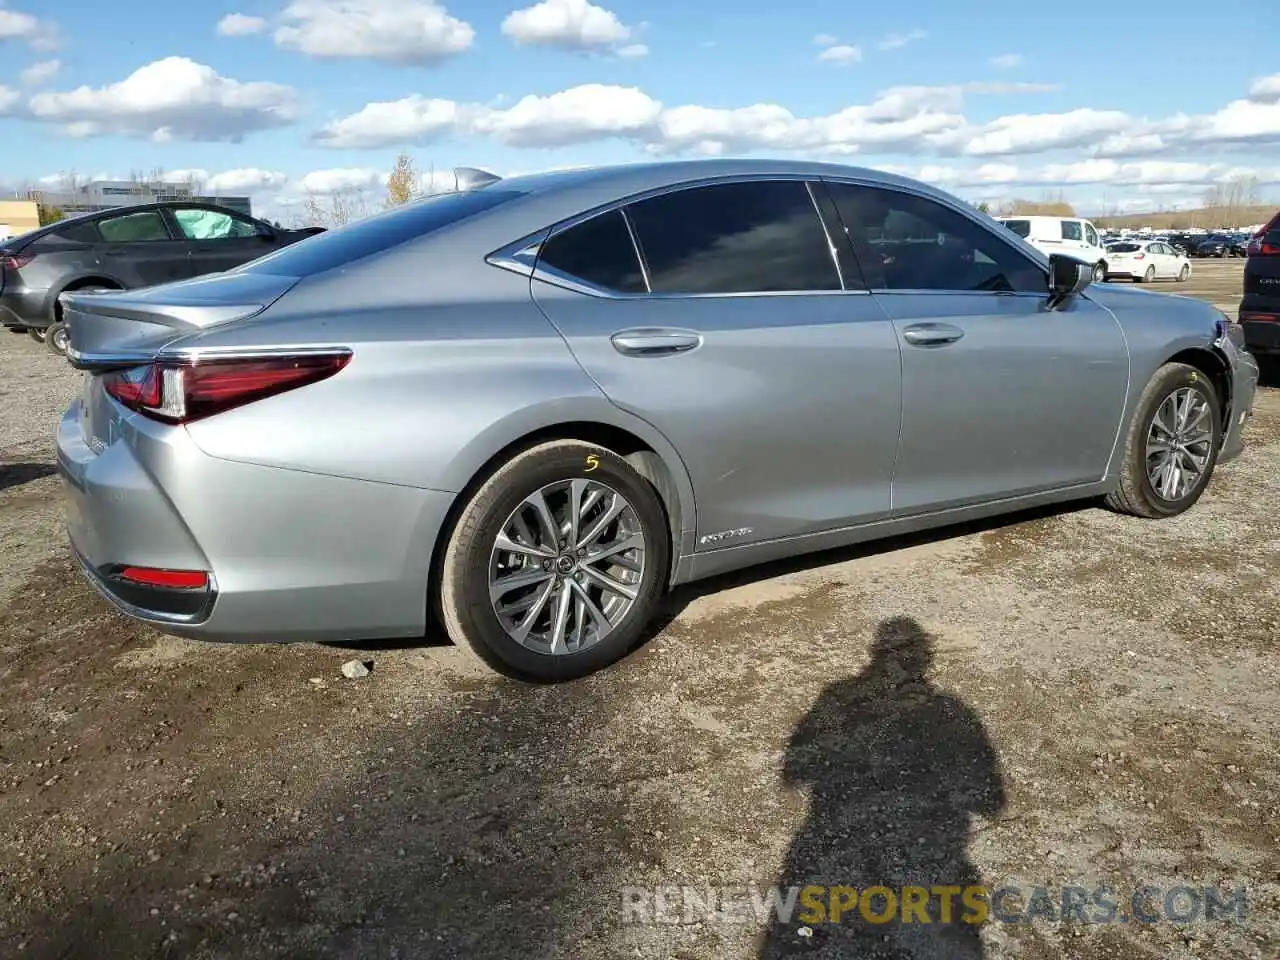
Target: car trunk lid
[(117, 329)]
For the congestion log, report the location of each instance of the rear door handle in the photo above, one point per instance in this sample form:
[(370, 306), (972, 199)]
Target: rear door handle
[(931, 334), (655, 341)]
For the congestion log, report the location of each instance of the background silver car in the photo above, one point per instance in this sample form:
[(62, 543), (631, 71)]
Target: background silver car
[(537, 404)]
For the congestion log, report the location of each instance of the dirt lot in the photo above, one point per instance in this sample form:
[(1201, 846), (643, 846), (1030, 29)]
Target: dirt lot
[(1099, 709)]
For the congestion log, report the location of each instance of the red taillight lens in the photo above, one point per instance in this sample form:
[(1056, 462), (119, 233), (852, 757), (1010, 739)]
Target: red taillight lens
[(1266, 242), (179, 392), (174, 579), (14, 262), (1139, 256)]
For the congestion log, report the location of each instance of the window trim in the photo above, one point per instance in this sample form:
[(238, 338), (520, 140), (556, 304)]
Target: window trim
[(973, 218), (522, 256)]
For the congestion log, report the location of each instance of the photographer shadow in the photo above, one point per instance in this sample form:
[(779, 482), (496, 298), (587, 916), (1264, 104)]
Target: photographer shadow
[(895, 770)]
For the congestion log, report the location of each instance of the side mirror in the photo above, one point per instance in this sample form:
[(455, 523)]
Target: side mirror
[(1067, 277)]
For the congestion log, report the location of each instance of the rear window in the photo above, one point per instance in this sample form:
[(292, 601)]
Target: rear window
[(79, 233), (1021, 227), (1123, 247), (355, 241)]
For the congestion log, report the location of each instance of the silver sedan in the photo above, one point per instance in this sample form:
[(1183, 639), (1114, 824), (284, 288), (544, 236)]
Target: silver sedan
[(528, 408)]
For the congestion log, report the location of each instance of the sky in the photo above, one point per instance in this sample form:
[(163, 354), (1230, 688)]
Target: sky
[(1140, 107)]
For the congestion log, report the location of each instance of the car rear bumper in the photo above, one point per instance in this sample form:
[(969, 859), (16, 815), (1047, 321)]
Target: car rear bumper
[(290, 555), (20, 307), (1261, 329)]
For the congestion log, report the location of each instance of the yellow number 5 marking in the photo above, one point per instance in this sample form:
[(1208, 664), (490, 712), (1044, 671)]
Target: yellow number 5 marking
[(592, 462)]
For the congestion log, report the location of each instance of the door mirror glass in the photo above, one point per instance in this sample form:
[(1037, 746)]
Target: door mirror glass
[(1067, 276)]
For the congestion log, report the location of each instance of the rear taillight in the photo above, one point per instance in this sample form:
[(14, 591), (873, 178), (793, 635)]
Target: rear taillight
[(1139, 256), (171, 579), (183, 391), (1266, 242), (14, 262)]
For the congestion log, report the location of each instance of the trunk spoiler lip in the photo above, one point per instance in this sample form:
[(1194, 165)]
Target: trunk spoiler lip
[(106, 305), (106, 361)]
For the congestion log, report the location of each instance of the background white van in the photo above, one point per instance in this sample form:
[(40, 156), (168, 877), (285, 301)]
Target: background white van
[(1070, 235)]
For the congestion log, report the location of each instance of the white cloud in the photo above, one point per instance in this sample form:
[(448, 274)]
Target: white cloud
[(195, 175), (1006, 61), (633, 50), (413, 32), (825, 40), (340, 180), (245, 180), (8, 99), (413, 119), (841, 53), (40, 73), (1266, 89), (895, 41), (588, 112), (921, 120), (36, 33), (577, 25), (240, 25), (170, 99)]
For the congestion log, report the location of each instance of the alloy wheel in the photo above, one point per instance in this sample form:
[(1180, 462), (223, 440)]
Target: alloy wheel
[(60, 339), (1179, 443), (567, 566)]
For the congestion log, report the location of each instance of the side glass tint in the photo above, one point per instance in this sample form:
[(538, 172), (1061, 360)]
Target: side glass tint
[(907, 242), (751, 237), (598, 251)]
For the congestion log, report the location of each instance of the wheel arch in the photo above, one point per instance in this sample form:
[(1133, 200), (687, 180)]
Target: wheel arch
[(637, 441), (79, 283), (1214, 366)]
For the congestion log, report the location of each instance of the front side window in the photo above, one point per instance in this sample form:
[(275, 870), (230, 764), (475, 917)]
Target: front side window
[(133, 228), (1091, 234), (908, 242), (752, 237), (598, 251), (1071, 230), (198, 223)]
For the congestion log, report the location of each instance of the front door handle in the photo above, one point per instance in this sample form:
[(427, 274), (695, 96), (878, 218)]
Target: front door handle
[(655, 341), (931, 334)]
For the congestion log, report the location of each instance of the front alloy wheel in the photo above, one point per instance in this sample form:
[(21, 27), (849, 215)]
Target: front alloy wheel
[(1179, 444)]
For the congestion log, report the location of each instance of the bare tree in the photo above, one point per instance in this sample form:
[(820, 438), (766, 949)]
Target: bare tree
[(1042, 208), (337, 208)]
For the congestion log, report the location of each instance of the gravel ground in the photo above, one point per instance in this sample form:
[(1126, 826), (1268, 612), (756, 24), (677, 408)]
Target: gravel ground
[(1066, 698)]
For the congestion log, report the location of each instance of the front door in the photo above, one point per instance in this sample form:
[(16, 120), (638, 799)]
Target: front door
[(138, 249), (1000, 396), (219, 239), (735, 337)]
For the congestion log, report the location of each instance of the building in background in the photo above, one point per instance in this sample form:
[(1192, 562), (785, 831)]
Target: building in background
[(18, 217), (107, 194)]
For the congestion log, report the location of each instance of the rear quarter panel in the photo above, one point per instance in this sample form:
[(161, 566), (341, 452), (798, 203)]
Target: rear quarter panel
[(452, 362)]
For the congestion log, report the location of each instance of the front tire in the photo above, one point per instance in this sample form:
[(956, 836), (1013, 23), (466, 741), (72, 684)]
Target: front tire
[(557, 563), (1171, 447), (1184, 273), (56, 338)]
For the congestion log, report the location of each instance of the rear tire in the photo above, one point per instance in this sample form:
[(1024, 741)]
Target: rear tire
[(1137, 494), (37, 334), (1149, 276), (573, 640), (1099, 272), (56, 338)]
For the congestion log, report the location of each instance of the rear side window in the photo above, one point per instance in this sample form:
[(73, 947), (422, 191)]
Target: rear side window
[(133, 228), (79, 233), (1021, 227), (1071, 230), (598, 251), (754, 237), (363, 238)]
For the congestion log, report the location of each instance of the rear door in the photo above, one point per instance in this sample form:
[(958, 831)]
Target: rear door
[(1000, 395), (139, 250), (219, 239), (718, 314)]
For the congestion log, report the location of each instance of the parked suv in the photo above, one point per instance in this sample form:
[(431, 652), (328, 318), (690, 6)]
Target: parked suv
[(121, 249), (1070, 235), (1260, 308)]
